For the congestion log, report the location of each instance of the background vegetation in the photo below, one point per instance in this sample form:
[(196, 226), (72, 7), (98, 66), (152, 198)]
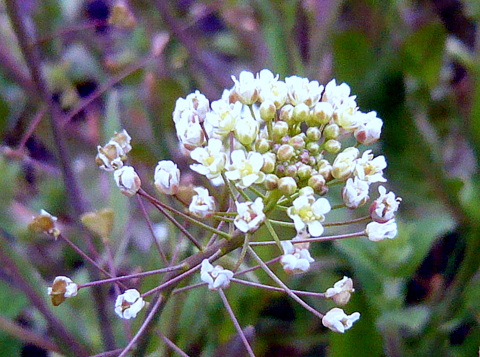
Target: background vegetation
[(416, 63)]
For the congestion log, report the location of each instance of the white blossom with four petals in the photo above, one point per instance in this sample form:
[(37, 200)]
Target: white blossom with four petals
[(211, 159), (128, 304), (384, 207), (250, 215), (202, 205), (245, 169), (308, 212), (296, 257), (380, 231), (355, 192), (216, 277), (337, 320)]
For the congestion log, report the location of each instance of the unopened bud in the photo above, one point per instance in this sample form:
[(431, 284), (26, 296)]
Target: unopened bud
[(314, 134), (301, 112), (280, 129), (325, 169), (286, 113), (291, 170), (285, 152), (304, 172), (267, 110), (262, 145), (271, 182), (313, 148), (317, 182), (127, 180), (297, 141), (322, 112), (332, 146), (269, 160), (287, 186), (331, 131)]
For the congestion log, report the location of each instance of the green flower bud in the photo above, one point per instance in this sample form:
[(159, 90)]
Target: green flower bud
[(331, 131), (271, 182), (313, 148), (263, 145), (301, 112), (317, 182), (325, 169), (322, 112), (286, 113), (287, 185), (267, 110), (314, 134), (297, 141), (332, 146), (291, 171), (269, 160), (280, 129), (285, 152), (304, 172)]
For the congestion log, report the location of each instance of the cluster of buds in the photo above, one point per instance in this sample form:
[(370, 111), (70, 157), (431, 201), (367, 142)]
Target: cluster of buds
[(112, 156)]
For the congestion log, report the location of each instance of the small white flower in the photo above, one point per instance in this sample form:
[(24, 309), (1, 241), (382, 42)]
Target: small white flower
[(338, 96), (246, 169), (195, 104), (127, 180), (62, 288), (370, 128), (202, 205), (308, 212), (167, 177), (341, 291), (245, 89), (336, 320), (370, 169), (211, 159), (301, 90), (379, 231), (129, 304), (223, 117), (250, 215), (217, 278), (296, 257), (384, 207), (271, 89), (355, 192), (344, 164)]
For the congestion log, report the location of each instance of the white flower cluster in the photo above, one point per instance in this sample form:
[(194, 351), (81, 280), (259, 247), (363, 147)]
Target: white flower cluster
[(111, 158)]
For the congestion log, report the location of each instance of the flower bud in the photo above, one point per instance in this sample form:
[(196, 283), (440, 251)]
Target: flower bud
[(167, 177), (331, 131), (322, 112), (269, 160), (332, 146), (286, 113), (271, 182), (344, 163), (317, 182), (304, 172), (127, 180), (301, 112), (268, 110), (202, 205), (280, 129), (314, 134), (262, 145), (246, 130), (314, 148), (297, 141), (287, 186), (285, 152), (291, 170), (325, 169), (370, 128)]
